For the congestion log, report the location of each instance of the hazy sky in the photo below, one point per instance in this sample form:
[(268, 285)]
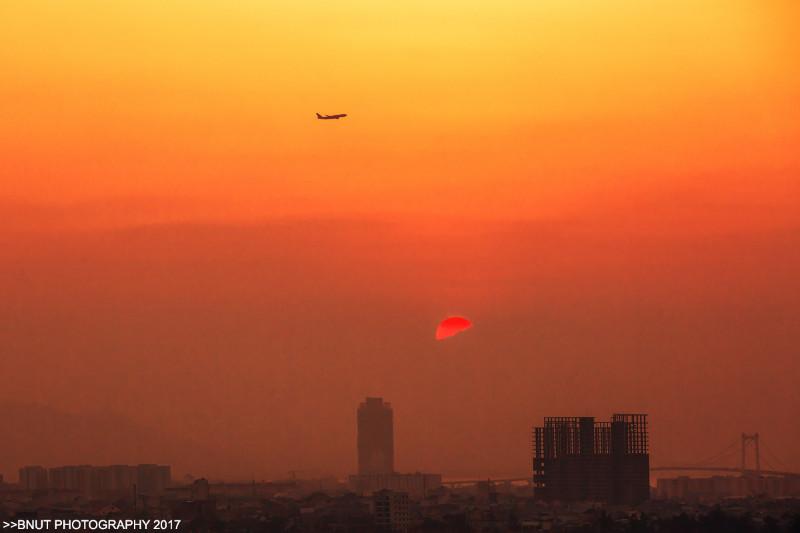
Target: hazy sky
[(609, 190)]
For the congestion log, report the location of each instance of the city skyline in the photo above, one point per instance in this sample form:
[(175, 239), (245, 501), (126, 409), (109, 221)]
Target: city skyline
[(563, 443), (574, 459), (585, 473), (196, 271)]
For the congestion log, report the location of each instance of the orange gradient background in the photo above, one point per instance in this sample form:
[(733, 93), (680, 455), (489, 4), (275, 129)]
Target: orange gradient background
[(609, 189)]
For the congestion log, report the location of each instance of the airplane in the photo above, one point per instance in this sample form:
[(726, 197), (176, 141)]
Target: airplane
[(331, 117)]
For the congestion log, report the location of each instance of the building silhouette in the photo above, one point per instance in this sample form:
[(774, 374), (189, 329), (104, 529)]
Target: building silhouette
[(375, 437), (415, 484), (376, 456), (33, 477), (144, 479), (390, 510), (576, 458), (716, 488)]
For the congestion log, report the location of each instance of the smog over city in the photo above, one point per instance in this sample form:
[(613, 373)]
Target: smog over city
[(400, 266)]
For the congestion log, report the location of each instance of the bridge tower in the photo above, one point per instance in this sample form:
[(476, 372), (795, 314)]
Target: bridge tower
[(750, 440)]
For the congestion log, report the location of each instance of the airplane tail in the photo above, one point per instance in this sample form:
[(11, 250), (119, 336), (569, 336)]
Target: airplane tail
[(319, 116)]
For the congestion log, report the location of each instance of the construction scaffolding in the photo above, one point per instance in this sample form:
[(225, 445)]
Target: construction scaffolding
[(577, 458)]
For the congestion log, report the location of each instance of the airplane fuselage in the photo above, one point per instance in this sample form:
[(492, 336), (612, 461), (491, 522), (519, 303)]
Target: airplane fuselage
[(331, 117)]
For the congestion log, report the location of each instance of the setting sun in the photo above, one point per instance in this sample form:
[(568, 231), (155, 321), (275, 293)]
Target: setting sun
[(232, 221)]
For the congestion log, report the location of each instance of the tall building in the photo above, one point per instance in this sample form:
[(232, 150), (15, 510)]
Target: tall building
[(576, 458), (97, 481), (79, 478), (376, 456), (152, 479), (33, 477), (375, 437)]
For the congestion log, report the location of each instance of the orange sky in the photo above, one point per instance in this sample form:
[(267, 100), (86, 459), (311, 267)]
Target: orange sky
[(609, 189), (508, 108)]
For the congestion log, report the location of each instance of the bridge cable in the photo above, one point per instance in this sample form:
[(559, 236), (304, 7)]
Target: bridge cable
[(726, 450), (775, 457)]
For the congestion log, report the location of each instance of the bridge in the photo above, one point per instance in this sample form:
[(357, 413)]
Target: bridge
[(748, 441)]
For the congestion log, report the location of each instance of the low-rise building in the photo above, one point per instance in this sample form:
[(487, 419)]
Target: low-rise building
[(417, 485), (390, 509)]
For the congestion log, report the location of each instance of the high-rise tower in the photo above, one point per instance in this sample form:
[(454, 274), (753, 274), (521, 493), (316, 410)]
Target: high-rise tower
[(577, 458), (375, 437)]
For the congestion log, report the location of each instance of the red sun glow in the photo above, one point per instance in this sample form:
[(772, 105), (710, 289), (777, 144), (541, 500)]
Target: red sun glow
[(452, 325)]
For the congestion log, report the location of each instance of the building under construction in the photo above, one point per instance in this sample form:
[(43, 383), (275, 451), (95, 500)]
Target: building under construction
[(576, 458)]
